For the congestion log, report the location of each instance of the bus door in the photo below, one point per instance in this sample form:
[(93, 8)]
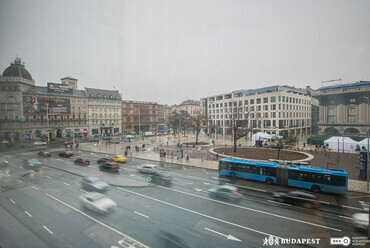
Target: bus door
[(282, 175)]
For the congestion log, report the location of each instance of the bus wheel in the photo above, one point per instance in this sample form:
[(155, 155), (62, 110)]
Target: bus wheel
[(232, 175), (315, 189), (269, 180)]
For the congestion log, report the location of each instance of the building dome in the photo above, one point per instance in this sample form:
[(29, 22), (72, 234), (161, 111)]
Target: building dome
[(16, 69)]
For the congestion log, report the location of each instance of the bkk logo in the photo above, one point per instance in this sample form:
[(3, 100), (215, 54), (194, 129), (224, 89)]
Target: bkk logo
[(345, 241)]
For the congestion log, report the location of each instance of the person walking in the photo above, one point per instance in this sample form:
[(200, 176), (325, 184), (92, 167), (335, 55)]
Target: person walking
[(187, 158)]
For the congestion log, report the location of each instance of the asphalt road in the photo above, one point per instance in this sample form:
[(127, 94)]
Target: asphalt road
[(40, 208)]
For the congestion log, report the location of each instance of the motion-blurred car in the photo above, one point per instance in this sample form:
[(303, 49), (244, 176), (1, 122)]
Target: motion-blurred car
[(93, 184), (44, 154), (119, 158), (82, 161), (67, 142), (3, 161), (39, 143), (109, 167), (33, 162), (225, 192), (103, 160), (297, 197), (93, 140), (175, 236), (360, 221), (148, 168), (97, 202), (161, 179), (66, 154)]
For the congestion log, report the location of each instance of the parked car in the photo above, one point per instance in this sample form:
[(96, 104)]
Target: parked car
[(148, 168), (82, 161), (161, 179), (130, 136), (103, 160), (110, 167), (119, 158), (360, 221), (93, 184), (93, 140), (39, 143), (225, 192), (107, 138), (33, 162), (297, 197), (44, 154), (97, 202), (66, 154)]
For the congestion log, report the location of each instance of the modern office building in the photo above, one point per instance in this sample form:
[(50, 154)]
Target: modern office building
[(344, 109), (138, 116), (104, 111), (282, 110)]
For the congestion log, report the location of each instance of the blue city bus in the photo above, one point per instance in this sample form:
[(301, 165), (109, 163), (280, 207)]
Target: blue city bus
[(301, 176)]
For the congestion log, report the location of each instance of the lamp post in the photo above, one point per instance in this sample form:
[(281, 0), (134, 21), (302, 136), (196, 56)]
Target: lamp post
[(368, 158), (47, 120)]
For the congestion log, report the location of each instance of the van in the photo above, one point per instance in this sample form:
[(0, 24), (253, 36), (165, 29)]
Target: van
[(148, 134), (148, 168)]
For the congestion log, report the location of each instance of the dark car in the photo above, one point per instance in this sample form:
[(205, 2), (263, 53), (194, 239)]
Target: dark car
[(44, 154), (93, 140), (110, 167), (107, 138), (66, 154), (161, 179), (297, 197), (82, 161), (104, 160), (32, 163)]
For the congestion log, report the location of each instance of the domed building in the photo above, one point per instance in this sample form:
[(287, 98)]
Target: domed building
[(13, 82)]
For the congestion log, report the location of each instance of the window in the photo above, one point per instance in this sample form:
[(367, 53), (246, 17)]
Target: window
[(352, 114), (265, 100), (331, 114), (245, 102), (252, 101), (258, 100), (273, 99), (265, 107)]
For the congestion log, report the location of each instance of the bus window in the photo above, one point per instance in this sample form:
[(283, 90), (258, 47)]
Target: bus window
[(257, 170), (338, 181)]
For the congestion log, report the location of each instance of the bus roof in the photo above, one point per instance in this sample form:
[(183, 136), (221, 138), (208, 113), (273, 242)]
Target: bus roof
[(252, 162), (310, 168)]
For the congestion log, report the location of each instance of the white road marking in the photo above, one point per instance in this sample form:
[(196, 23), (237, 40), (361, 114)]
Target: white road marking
[(230, 237), (323, 202), (90, 166), (141, 214), (35, 187), (84, 191), (217, 178), (12, 201), (200, 190), (280, 203), (204, 215), (47, 229), (206, 183), (183, 182), (8, 156), (345, 217), (244, 187), (67, 184), (19, 180), (352, 207), (28, 213), (132, 175), (97, 221), (251, 209), (365, 205), (49, 177)]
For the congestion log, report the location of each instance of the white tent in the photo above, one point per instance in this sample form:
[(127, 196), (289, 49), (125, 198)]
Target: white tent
[(363, 143), (260, 136), (345, 143)]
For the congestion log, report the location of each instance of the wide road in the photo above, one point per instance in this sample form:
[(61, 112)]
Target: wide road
[(41, 208)]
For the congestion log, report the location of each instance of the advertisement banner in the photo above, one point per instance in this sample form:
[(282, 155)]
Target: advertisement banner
[(60, 88), (34, 105)]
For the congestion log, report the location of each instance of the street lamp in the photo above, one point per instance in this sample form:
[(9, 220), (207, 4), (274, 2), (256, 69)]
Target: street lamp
[(47, 120)]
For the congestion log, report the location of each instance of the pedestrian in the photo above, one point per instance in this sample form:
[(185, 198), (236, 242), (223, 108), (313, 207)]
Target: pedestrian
[(187, 158), (167, 143), (304, 144), (217, 155), (77, 145)]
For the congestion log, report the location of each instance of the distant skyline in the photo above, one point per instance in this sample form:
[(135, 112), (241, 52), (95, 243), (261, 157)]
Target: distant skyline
[(168, 51)]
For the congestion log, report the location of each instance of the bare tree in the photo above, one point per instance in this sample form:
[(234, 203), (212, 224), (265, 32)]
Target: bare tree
[(196, 122), (239, 123)]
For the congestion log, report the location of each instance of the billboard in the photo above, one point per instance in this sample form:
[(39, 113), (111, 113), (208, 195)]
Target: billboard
[(60, 88), (35, 105)]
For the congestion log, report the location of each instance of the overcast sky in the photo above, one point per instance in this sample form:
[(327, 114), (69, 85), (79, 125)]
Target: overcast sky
[(171, 50)]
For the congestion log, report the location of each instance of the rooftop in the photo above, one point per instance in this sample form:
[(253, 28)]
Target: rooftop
[(345, 85)]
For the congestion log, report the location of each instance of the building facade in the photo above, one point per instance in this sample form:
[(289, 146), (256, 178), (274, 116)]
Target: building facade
[(281, 110), (344, 109), (140, 116), (104, 111), (190, 106)]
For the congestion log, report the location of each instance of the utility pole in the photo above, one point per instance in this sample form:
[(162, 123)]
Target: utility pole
[(47, 120), (368, 157)]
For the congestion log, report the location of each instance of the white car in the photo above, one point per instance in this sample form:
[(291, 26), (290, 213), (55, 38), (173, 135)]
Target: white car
[(40, 143), (97, 202), (148, 168), (360, 221)]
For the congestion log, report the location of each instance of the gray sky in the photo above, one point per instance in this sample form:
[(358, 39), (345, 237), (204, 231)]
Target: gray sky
[(171, 50)]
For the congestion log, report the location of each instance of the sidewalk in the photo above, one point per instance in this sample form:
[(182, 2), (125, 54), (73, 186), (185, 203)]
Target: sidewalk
[(353, 185)]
